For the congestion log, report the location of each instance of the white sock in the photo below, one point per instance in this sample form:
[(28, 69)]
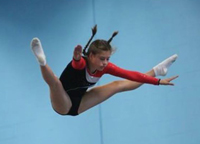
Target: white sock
[(38, 51), (162, 68)]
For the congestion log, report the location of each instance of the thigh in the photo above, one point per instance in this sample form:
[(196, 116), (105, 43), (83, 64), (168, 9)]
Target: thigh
[(60, 100), (99, 94)]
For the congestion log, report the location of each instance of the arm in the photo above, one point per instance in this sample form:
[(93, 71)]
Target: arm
[(78, 61), (78, 64), (131, 75)]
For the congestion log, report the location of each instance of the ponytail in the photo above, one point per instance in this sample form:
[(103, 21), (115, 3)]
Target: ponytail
[(113, 35), (94, 30)]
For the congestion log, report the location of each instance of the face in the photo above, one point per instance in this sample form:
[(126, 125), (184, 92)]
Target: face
[(99, 61)]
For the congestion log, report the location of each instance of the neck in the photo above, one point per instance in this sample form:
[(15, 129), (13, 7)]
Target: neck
[(91, 69)]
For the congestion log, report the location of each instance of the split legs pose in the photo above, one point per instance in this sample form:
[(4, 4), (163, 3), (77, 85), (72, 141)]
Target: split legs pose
[(60, 100), (101, 93)]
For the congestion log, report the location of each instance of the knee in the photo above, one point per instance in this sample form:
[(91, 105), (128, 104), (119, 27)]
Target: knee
[(55, 85), (118, 85)]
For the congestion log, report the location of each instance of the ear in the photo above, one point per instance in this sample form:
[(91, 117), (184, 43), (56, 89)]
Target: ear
[(91, 55)]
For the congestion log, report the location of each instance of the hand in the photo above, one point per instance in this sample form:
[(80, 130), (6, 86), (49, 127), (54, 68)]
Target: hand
[(167, 81), (77, 52)]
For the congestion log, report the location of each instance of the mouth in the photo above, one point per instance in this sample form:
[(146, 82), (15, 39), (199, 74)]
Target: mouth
[(101, 68)]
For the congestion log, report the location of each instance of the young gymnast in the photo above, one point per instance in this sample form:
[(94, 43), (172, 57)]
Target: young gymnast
[(70, 95)]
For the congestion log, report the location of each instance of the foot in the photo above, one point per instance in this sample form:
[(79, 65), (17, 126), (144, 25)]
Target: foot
[(38, 51), (162, 68)]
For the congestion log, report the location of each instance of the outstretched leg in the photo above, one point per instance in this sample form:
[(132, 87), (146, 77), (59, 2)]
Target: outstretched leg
[(101, 93), (60, 100)]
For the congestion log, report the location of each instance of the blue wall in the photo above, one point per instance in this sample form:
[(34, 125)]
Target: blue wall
[(149, 31)]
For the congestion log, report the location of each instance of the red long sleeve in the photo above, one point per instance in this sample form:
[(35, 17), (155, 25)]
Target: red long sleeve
[(130, 75), (80, 64), (119, 72)]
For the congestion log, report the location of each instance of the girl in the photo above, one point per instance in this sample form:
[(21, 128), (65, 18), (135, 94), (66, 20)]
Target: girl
[(69, 94)]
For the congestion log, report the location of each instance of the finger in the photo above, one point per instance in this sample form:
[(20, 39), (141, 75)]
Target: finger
[(168, 83), (78, 48), (172, 78), (172, 84)]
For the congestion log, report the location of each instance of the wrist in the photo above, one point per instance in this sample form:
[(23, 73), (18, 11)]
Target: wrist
[(76, 59), (159, 81)]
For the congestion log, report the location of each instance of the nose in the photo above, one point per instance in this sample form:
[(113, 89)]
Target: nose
[(105, 62)]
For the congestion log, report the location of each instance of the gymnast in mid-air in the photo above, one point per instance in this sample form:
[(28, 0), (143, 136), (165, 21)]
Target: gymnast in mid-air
[(70, 95)]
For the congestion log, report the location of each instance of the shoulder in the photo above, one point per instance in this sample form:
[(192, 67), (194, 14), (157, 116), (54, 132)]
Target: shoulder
[(110, 66)]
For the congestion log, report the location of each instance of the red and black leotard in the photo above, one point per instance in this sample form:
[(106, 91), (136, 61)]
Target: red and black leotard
[(76, 79)]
